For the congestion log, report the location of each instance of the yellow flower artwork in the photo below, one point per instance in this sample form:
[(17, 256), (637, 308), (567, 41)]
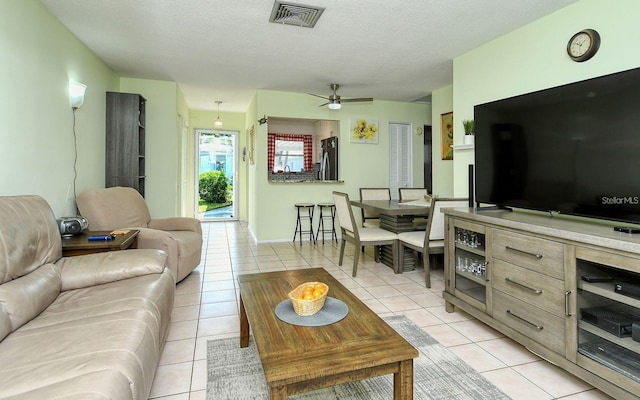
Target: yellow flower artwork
[(364, 131)]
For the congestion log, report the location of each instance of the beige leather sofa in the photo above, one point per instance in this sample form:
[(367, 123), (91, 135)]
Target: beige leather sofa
[(123, 207), (86, 327)]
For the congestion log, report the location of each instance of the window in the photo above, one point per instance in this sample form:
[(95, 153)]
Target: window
[(288, 153)]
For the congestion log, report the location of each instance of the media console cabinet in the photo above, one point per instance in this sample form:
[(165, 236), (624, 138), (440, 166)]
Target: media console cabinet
[(563, 288)]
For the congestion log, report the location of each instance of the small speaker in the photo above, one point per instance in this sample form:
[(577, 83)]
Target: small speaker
[(70, 226)]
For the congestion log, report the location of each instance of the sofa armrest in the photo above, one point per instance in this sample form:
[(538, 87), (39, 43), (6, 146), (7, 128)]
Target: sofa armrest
[(176, 224), (99, 268)]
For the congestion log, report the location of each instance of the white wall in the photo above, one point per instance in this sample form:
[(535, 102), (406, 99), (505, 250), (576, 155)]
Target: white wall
[(534, 57), (39, 58)]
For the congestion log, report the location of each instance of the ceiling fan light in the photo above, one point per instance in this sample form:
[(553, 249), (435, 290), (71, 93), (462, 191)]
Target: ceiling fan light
[(335, 106)]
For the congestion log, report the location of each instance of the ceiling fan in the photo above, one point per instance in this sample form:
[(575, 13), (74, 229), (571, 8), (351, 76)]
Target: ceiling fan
[(335, 102)]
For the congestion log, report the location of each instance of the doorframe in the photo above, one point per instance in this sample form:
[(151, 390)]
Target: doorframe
[(196, 170)]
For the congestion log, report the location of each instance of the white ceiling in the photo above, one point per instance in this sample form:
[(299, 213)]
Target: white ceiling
[(226, 50)]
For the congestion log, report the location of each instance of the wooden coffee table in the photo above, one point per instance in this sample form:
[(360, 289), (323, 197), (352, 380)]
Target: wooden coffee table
[(79, 244), (299, 359)]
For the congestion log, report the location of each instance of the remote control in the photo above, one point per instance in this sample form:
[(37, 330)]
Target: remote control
[(626, 229), (101, 237)]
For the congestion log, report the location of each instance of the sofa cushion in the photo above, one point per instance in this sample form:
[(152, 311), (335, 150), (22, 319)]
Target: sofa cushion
[(99, 268), (99, 385), (29, 236), (119, 327), (24, 298)]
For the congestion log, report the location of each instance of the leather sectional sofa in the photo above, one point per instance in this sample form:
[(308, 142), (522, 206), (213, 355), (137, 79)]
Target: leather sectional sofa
[(86, 327)]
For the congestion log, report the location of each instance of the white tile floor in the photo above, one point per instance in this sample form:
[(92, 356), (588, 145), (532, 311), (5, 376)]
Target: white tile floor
[(206, 308)]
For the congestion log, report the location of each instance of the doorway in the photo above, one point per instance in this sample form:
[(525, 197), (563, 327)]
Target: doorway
[(216, 174), (400, 160), (428, 159)]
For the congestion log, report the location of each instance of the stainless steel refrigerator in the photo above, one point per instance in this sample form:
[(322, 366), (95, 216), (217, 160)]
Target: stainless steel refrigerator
[(329, 159)]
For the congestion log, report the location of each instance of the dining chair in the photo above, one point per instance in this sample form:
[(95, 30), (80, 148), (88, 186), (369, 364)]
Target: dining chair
[(430, 241), (408, 194), (371, 219), (361, 236)]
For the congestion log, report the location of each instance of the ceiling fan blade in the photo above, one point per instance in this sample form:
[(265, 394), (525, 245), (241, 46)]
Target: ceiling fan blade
[(323, 104), (356, 100), (317, 95)]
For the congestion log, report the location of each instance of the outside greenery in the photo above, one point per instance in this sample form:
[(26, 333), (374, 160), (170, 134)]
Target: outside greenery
[(215, 191)]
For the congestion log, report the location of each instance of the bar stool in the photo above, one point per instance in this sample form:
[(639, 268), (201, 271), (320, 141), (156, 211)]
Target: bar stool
[(331, 214), (301, 207)]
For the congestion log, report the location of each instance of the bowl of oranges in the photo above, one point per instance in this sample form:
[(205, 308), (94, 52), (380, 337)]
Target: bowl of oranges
[(308, 298)]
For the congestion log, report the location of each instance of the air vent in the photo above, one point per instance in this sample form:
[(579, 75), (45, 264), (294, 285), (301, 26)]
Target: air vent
[(295, 14)]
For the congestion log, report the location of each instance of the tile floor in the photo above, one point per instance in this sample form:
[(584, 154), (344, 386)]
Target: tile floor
[(206, 308)]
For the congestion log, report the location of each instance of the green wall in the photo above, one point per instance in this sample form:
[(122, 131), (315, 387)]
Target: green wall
[(39, 58), (534, 57), (360, 165), (442, 169)]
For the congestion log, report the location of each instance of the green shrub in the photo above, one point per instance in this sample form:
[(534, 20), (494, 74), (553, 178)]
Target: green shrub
[(213, 187)]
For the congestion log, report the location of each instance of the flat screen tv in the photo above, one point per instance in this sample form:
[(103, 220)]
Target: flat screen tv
[(572, 149)]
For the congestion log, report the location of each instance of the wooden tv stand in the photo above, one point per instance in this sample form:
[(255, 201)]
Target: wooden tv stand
[(522, 274)]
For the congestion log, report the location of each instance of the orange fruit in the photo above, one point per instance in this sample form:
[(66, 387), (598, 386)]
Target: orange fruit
[(308, 296)]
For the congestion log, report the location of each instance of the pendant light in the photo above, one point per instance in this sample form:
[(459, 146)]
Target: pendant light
[(218, 123)]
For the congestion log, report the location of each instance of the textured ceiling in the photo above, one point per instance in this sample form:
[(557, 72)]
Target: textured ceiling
[(397, 50)]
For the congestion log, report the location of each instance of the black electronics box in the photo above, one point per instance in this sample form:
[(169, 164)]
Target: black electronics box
[(628, 289), (635, 331), (616, 322)]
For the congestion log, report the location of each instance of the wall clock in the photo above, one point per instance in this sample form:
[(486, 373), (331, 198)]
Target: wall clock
[(583, 45)]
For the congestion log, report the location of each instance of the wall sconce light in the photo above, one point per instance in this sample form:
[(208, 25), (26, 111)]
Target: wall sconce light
[(218, 123), (262, 120), (76, 94)]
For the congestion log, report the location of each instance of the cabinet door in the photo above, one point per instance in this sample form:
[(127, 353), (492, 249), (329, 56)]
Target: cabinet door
[(467, 266), (608, 316)]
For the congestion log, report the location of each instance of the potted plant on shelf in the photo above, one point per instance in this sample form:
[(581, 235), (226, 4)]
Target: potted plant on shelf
[(469, 126)]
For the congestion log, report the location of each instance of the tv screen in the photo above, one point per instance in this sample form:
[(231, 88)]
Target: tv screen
[(572, 149)]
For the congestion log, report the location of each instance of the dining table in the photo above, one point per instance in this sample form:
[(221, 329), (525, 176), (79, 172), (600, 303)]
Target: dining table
[(397, 216)]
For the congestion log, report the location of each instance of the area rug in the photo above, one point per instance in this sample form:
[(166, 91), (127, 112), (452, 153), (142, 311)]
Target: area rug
[(236, 373)]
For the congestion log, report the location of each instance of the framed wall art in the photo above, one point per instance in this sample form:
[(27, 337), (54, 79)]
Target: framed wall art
[(446, 135), (252, 145), (364, 131)]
